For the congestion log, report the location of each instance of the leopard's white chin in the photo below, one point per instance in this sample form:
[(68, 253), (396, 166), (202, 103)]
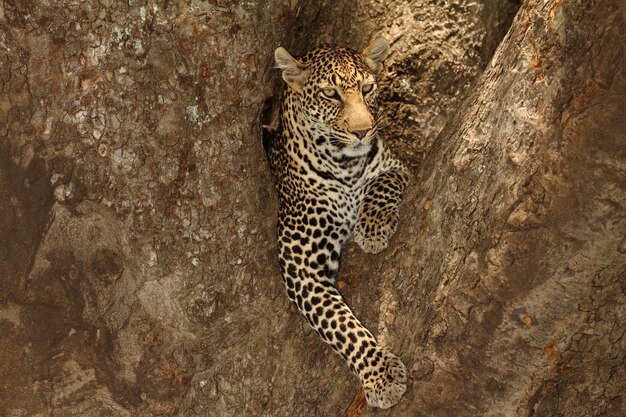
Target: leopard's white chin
[(359, 149)]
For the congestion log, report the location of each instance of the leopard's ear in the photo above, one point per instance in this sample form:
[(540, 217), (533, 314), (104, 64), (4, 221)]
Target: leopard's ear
[(293, 71), (375, 54)]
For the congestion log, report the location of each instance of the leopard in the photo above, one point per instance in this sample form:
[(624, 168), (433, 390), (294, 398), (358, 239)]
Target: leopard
[(336, 181)]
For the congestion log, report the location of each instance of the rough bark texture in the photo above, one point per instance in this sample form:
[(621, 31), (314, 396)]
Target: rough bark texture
[(509, 272), (137, 252), (137, 238)]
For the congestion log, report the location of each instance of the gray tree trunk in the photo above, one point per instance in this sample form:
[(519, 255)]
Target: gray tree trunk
[(137, 239)]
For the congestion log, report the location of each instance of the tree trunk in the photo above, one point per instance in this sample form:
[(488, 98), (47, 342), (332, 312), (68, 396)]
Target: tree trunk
[(137, 239), (506, 279)]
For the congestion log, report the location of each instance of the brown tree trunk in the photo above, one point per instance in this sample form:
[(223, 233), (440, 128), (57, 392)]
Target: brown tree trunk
[(505, 286), (137, 248)]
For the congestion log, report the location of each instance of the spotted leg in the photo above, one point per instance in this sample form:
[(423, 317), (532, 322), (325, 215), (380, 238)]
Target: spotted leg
[(309, 259), (378, 213)]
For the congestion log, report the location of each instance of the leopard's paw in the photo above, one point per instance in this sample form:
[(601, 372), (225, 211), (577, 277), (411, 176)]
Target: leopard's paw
[(370, 243), (374, 238), (385, 388)]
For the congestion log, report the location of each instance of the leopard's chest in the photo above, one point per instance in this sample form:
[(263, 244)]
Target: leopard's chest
[(311, 180), (329, 197)]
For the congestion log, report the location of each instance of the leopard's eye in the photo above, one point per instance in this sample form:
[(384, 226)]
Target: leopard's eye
[(330, 93), (367, 88)]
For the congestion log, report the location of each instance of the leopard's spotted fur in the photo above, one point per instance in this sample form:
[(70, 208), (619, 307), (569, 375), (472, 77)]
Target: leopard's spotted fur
[(335, 180)]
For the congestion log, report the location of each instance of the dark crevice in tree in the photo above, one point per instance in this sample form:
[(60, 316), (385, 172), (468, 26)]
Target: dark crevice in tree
[(497, 16)]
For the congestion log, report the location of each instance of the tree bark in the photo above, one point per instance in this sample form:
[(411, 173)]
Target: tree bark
[(137, 238), (505, 285)]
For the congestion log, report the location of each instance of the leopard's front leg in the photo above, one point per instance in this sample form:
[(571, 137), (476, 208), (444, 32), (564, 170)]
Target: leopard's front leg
[(308, 257), (378, 213)]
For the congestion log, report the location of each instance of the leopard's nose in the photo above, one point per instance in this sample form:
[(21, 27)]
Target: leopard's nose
[(360, 133)]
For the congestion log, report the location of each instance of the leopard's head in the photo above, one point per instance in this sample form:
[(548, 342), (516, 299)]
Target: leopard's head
[(335, 91)]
